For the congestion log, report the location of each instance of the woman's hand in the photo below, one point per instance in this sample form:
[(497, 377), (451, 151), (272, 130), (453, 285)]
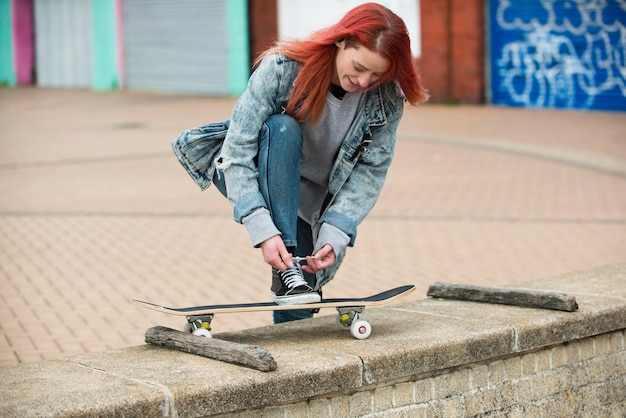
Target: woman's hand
[(275, 253), (322, 259)]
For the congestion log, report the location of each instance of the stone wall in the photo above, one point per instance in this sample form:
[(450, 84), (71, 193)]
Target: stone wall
[(426, 358), (585, 378)]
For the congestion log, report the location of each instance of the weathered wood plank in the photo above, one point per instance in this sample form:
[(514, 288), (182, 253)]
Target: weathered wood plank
[(230, 352), (504, 296)]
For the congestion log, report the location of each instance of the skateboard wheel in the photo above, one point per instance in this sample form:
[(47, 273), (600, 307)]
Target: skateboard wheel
[(361, 329), (202, 332)]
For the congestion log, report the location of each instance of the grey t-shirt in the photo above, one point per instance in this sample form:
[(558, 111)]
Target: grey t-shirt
[(320, 146)]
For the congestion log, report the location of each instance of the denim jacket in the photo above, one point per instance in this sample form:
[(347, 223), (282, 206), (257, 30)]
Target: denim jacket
[(358, 172)]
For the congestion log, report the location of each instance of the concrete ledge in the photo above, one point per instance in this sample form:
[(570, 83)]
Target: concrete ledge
[(315, 357)]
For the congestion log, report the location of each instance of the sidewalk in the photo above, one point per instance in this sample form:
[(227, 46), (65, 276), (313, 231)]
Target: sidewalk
[(95, 210)]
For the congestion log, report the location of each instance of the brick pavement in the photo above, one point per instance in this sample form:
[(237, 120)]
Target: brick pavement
[(94, 210)]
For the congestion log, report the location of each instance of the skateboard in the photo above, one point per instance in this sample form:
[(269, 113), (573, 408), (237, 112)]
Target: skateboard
[(199, 317)]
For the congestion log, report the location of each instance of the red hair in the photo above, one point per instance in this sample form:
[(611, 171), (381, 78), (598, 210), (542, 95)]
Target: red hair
[(370, 25)]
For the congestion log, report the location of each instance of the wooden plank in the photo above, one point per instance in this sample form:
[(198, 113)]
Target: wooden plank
[(504, 296), (213, 348)]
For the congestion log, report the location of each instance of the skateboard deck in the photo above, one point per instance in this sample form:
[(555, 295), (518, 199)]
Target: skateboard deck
[(382, 298), (199, 317)]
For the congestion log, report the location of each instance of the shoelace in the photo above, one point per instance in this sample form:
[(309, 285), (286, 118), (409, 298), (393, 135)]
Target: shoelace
[(293, 278)]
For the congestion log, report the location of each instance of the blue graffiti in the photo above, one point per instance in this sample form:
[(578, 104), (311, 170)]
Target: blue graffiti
[(559, 53)]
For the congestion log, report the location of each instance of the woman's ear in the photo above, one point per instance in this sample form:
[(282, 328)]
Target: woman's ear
[(341, 44)]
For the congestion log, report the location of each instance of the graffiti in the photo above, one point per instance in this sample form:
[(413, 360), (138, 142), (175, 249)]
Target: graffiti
[(559, 53)]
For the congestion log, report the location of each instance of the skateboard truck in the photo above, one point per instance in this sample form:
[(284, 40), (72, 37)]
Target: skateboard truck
[(199, 325), (349, 319)]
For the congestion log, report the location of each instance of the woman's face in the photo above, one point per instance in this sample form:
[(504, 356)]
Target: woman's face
[(356, 68)]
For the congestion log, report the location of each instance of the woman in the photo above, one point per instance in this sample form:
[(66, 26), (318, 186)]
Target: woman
[(308, 146)]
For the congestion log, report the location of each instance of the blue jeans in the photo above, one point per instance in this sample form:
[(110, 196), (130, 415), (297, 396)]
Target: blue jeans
[(278, 161)]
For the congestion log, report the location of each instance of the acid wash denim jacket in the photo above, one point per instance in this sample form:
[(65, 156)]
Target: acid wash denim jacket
[(358, 173)]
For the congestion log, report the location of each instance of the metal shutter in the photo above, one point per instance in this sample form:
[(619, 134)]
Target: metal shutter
[(176, 46), (63, 34), (566, 54)]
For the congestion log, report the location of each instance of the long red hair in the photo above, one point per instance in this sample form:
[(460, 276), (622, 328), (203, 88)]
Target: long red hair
[(370, 25)]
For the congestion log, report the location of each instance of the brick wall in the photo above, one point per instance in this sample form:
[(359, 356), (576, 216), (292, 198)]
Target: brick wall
[(452, 31), (580, 378), (263, 16), (452, 61)]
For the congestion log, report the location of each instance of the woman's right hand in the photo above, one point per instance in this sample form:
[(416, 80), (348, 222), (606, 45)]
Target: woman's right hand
[(275, 253)]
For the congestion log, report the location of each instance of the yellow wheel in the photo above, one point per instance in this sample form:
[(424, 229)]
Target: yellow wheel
[(344, 320)]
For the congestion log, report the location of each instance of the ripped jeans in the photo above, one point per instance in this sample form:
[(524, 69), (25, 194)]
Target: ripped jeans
[(278, 161)]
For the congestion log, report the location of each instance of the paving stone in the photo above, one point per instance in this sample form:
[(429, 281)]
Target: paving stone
[(92, 215)]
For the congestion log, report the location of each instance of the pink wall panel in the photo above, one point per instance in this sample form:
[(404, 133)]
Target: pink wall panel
[(23, 40)]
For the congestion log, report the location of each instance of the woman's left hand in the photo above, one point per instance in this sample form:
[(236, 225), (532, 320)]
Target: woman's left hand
[(322, 259)]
